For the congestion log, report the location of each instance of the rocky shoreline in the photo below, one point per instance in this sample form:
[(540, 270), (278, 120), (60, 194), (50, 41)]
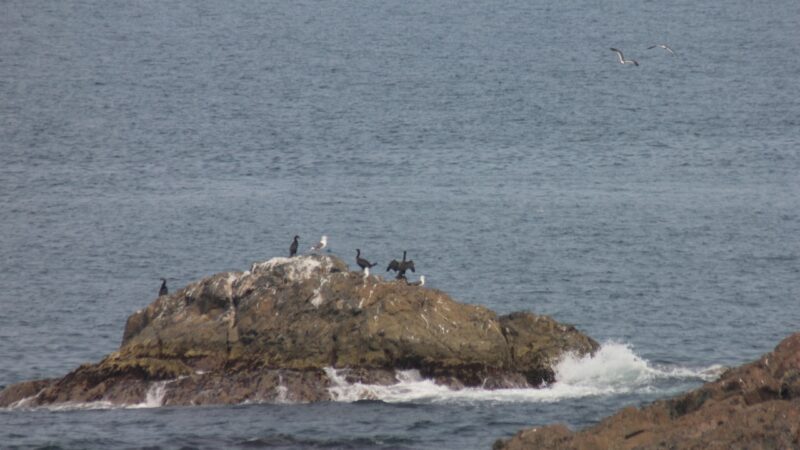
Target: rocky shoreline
[(755, 406), (289, 329), (271, 333)]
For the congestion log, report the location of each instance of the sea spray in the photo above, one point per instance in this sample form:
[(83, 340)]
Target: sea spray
[(155, 394), (614, 369), (612, 365), (616, 365), (281, 392), (154, 397)]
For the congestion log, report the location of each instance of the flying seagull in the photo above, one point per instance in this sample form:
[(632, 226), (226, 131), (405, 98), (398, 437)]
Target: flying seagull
[(664, 46), (622, 59), (323, 242)]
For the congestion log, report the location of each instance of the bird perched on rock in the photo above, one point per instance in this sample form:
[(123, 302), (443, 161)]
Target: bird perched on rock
[(401, 266), (363, 263), (323, 242), (421, 281), (163, 290), (293, 247)]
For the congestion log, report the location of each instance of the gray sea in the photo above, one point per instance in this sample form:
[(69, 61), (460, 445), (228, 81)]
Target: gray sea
[(656, 208)]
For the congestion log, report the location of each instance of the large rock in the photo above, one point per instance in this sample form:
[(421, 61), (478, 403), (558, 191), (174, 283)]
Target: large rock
[(270, 334), (755, 406)]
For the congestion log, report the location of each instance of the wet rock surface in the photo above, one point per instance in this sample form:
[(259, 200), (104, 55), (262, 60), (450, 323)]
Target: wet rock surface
[(755, 406), (268, 335)]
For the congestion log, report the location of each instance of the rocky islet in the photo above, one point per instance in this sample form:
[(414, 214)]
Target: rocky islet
[(272, 334)]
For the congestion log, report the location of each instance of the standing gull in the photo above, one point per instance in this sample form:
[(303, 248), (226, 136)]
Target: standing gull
[(293, 247), (664, 46), (622, 59), (323, 242)]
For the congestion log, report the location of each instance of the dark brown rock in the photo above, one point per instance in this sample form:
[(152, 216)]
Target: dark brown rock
[(21, 391), (268, 335), (755, 406)]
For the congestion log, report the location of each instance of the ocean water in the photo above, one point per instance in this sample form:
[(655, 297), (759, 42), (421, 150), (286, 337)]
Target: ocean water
[(523, 168)]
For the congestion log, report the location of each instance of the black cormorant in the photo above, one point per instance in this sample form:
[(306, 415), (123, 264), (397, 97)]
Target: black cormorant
[(363, 263), (401, 266)]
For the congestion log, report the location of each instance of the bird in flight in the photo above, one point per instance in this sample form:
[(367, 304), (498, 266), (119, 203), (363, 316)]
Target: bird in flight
[(664, 46), (622, 59)]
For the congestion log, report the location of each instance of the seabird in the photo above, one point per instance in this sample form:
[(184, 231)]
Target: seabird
[(421, 281), (664, 46), (363, 263), (293, 247), (622, 59), (401, 266), (163, 290), (323, 242)]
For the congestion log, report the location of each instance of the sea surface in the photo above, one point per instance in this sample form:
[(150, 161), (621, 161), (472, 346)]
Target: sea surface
[(656, 208)]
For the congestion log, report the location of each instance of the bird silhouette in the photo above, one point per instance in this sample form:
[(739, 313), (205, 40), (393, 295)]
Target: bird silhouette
[(401, 266), (363, 263)]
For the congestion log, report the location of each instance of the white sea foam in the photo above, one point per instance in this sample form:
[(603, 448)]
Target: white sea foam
[(281, 392), (410, 387), (614, 369), (154, 398), (155, 395), (26, 404), (70, 406)]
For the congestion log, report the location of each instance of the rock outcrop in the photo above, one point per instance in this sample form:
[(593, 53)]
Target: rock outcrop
[(755, 406), (268, 335)]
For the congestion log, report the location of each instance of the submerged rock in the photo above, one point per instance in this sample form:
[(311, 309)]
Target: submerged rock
[(755, 406), (268, 335)]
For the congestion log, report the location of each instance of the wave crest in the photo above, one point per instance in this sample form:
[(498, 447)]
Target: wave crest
[(616, 369), (613, 370)]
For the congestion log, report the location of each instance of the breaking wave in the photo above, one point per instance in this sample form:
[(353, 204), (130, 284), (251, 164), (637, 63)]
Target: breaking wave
[(155, 395), (613, 370), (154, 398)]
